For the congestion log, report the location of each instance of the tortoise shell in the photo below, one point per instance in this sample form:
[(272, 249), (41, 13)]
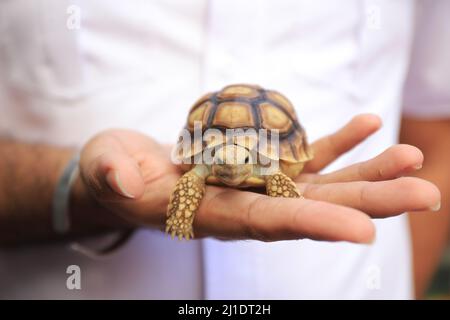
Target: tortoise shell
[(250, 106)]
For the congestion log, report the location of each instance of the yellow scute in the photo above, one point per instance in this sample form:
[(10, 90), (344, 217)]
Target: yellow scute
[(198, 114), (274, 118), (233, 115)]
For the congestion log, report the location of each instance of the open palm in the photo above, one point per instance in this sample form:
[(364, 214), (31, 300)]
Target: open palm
[(131, 175)]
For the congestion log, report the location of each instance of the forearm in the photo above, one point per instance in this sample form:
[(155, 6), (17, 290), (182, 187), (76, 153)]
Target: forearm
[(28, 177), (430, 231)]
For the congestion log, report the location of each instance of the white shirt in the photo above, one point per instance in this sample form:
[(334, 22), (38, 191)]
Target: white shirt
[(141, 64)]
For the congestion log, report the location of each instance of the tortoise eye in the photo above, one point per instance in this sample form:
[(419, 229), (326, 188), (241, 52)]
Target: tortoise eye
[(247, 159)]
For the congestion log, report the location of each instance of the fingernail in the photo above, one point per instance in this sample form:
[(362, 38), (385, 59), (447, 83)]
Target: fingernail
[(436, 207), (409, 170), (117, 185), (370, 241), (122, 189)]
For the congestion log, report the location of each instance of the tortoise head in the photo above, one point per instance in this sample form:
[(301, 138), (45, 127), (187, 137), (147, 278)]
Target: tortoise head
[(232, 164)]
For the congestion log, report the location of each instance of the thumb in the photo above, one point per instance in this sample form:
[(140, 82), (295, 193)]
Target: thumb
[(113, 175)]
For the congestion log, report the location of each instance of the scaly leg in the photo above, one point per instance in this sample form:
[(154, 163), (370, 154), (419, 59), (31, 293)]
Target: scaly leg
[(184, 203), (280, 185)]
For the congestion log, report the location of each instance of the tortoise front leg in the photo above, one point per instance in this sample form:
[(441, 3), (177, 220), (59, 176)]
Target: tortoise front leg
[(184, 203), (280, 185)]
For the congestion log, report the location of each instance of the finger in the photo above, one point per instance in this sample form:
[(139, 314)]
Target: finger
[(109, 172), (113, 176), (245, 215), (331, 147), (396, 161), (378, 199)]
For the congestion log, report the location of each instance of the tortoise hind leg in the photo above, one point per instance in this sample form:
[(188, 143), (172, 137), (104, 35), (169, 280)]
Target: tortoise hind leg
[(184, 203), (280, 185)]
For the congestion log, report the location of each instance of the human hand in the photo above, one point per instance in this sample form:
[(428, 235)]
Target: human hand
[(132, 175)]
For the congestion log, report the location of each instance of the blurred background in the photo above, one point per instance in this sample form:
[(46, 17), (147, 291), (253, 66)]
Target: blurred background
[(440, 286)]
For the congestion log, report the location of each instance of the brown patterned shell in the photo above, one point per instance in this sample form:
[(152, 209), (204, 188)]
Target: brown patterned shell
[(250, 106)]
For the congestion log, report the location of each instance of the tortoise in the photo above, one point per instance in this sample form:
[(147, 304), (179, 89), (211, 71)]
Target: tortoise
[(237, 160)]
